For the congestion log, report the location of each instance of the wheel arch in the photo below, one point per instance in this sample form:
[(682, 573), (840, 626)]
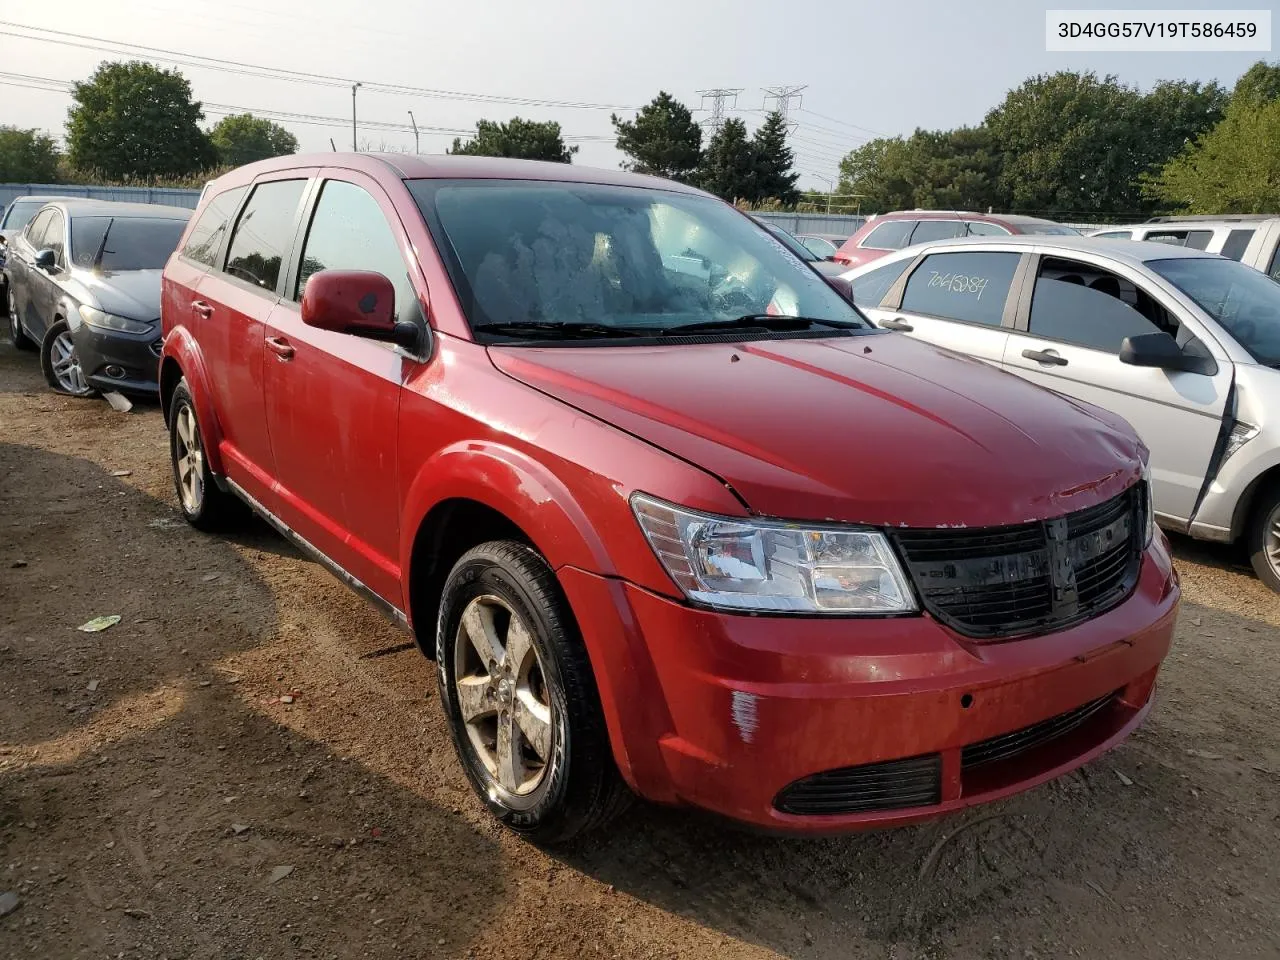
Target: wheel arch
[(1245, 506), (179, 359)]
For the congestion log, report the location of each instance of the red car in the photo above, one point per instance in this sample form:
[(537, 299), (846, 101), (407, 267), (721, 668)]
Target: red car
[(904, 228), (667, 512)]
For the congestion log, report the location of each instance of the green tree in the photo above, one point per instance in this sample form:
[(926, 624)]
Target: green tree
[(879, 173), (243, 138), (1235, 168), (775, 178), (525, 139), (729, 164), (951, 170), (1259, 84), (132, 120), (662, 140), (27, 156), (1168, 118)]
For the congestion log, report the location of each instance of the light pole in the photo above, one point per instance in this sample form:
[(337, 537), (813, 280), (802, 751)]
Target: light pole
[(831, 187), (415, 132), (354, 86)]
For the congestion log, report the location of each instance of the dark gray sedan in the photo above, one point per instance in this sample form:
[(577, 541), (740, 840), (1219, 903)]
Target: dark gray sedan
[(84, 287)]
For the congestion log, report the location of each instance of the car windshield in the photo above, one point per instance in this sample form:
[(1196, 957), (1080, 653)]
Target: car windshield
[(1245, 302), (583, 259), (20, 213), (133, 243), (1049, 229), (791, 243)]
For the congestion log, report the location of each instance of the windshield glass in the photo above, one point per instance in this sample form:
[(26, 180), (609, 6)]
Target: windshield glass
[(788, 241), (1049, 229), (133, 243), (615, 258), (1245, 302), (20, 213)]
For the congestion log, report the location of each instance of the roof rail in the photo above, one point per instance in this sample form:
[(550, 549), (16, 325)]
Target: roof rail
[(1205, 217)]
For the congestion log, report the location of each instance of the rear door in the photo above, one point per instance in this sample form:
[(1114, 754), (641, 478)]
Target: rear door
[(19, 266), (231, 307), (43, 286), (1073, 316), (955, 299), (333, 398)]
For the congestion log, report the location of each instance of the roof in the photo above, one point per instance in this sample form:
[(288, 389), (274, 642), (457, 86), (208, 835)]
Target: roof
[(1133, 252), (444, 166), (80, 207), (42, 197), (1202, 218), (965, 214)]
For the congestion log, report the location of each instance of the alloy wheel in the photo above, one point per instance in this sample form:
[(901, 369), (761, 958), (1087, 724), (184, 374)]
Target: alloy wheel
[(503, 698), (1272, 544), (189, 457), (66, 365)]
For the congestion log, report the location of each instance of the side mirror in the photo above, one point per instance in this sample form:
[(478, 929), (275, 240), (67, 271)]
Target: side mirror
[(357, 302), (1155, 350), (46, 260), (841, 286)]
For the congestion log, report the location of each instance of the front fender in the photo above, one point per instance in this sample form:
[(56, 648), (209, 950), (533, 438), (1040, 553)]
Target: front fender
[(181, 347)]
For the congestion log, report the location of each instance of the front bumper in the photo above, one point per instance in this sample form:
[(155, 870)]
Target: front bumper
[(726, 712), (127, 362)]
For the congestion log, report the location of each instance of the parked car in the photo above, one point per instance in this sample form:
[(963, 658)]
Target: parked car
[(663, 507), (1182, 344), (84, 287), (16, 216), (904, 228), (824, 248), (825, 267), (1254, 240)]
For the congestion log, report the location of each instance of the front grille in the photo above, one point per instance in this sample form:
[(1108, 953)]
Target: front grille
[(1008, 581), (893, 785), (157, 345), (1010, 744)]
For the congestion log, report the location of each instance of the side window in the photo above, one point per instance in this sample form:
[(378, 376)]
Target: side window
[(971, 287), (1114, 235), (349, 231), (890, 235), (1090, 307), (1237, 242), (980, 228), (1197, 239), (206, 236), (264, 232), (927, 230), (35, 229), (55, 236), (870, 288), (1273, 271)]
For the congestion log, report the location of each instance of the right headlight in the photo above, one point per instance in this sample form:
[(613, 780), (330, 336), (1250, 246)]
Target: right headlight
[(774, 566), (109, 321)]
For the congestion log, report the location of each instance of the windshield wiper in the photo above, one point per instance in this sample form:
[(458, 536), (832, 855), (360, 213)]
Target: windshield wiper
[(102, 246), (558, 330), (759, 321)]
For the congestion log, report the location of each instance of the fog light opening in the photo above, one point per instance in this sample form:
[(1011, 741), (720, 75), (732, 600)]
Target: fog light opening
[(966, 701), (114, 372)]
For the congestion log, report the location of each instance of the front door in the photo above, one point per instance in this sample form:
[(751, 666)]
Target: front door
[(333, 398), (1080, 312)]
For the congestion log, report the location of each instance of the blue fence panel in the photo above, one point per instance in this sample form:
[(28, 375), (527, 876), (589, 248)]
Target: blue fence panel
[(171, 196), (844, 225)]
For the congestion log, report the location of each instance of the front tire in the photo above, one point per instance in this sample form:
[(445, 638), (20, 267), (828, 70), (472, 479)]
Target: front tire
[(520, 697), (1264, 537), (203, 504), (17, 336), (60, 362)]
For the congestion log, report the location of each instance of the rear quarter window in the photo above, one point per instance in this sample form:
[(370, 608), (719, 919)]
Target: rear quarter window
[(1237, 242), (969, 287), (205, 239), (870, 288)]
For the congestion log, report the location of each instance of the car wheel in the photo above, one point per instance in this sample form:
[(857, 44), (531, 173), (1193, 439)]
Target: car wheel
[(1264, 538), (520, 697), (61, 363), (17, 336), (203, 503)]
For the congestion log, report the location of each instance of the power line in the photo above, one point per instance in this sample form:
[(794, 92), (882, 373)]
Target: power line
[(843, 123)]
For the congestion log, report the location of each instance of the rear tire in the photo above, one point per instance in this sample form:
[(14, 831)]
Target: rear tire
[(1264, 537), (203, 503), (17, 336), (556, 779), (61, 363)]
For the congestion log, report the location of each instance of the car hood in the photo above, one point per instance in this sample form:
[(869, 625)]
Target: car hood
[(878, 429), (126, 293)]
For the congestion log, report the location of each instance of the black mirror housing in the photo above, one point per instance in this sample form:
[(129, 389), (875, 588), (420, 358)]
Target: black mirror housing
[(46, 259), (1155, 350)]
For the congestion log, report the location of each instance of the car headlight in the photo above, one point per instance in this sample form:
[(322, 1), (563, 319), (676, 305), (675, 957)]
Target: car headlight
[(1148, 506), (766, 565), (109, 321), (1241, 433)]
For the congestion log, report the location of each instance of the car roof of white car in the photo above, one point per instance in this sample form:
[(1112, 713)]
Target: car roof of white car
[(1134, 252)]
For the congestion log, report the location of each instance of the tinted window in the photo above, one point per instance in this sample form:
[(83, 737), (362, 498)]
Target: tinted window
[(870, 288), (1236, 243), (20, 213), (206, 236), (980, 228), (54, 236), (551, 253), (132, 243), (263, 233), (1080, 304), (1115, 235), (961, 286), (890, 235), (36, 228), (927, 230), (349, 231), (1245, 302), (1197, 239)]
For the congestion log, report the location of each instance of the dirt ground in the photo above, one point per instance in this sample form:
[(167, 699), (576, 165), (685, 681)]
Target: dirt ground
[(158, 799)]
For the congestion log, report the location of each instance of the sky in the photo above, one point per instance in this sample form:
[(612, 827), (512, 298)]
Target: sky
[(868, 67)]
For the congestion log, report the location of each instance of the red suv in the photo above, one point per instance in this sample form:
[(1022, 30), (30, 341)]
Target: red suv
[(666, 511), (905, 228)]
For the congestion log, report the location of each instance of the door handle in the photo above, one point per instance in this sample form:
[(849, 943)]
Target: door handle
[(1051, 357), (201, 309), (281, 347), (897, 324)]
